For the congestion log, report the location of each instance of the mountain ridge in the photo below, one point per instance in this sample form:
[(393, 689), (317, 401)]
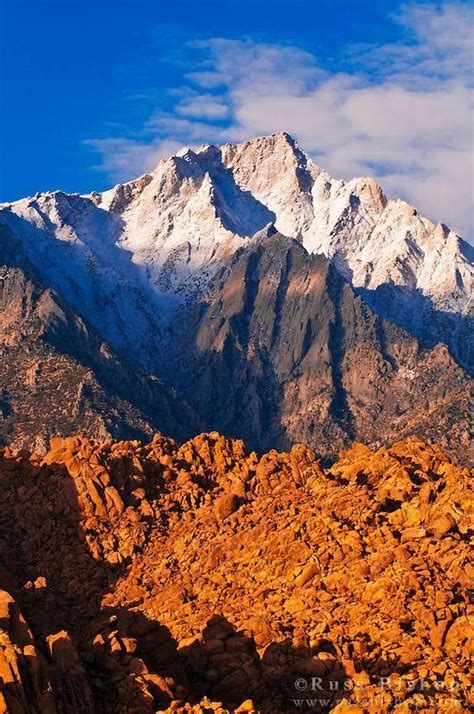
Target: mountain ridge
[(58, 375), (374, 241)]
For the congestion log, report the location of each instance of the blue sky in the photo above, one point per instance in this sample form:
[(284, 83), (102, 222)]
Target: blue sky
[(97, 92)]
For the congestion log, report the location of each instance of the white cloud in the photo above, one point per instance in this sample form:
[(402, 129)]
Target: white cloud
[(203, 106), (441, 46), (404, 115), (123, 159)]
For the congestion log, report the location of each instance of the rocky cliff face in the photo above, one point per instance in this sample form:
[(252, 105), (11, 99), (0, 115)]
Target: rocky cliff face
[(201, 577), (284, 351)]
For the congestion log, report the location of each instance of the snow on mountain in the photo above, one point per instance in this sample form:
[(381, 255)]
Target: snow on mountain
[(74, 248), (139, 252)]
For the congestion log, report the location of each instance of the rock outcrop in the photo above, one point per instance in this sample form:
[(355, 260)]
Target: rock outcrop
[(158, 577)]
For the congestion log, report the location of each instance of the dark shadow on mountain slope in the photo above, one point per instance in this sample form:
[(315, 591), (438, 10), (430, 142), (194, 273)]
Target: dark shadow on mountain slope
[(50, 325), (339, 408), (284, 350), (240, 396), (238, 210), (271, 339), (416, 313)]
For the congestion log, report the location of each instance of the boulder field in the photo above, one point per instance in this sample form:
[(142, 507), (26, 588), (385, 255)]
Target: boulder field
[(159, 577)]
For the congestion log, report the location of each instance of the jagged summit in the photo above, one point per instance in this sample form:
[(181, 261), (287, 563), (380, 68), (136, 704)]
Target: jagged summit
[(201, 205), (277, 139)]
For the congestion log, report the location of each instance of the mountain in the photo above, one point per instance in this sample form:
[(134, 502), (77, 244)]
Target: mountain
[(199, 207), (202, 578), (279, 303)]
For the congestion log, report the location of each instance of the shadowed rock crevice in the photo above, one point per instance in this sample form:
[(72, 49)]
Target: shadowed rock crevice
[(241, 321), (280, 298), (382, 339), (339, 407)]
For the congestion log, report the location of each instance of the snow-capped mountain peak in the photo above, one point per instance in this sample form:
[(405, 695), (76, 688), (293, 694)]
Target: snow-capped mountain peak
[(163, 236)]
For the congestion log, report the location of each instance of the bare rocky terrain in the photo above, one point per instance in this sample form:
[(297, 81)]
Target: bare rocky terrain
[(203, 578)]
